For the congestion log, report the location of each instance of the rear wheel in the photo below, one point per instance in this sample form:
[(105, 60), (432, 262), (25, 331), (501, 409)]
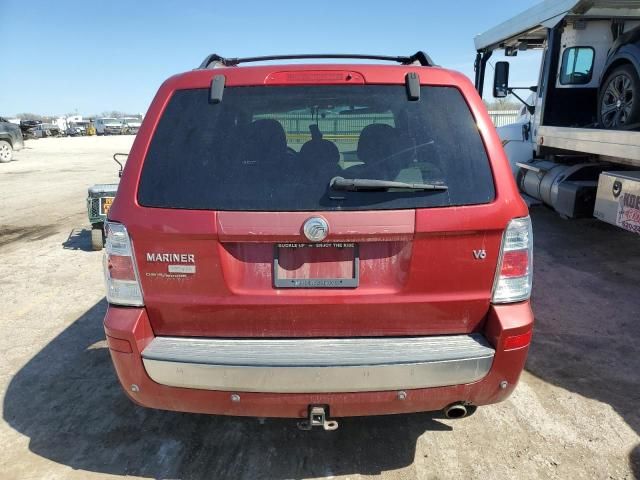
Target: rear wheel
[(97, 237), (6, 151), (619, 101)]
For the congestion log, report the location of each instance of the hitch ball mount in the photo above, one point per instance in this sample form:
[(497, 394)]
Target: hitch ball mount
[(318, 418)]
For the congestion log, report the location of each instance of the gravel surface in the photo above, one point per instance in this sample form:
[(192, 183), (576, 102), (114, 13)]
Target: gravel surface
[(574, 414)]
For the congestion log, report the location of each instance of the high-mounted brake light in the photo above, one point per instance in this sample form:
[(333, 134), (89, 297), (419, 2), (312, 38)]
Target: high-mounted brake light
[(314, 77), (515, 269), (121, 277)]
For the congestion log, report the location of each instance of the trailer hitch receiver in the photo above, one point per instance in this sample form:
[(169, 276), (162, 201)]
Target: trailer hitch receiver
[(317, 418)]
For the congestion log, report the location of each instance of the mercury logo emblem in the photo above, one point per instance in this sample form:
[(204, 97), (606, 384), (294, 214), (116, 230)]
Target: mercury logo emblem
[(316, 229)]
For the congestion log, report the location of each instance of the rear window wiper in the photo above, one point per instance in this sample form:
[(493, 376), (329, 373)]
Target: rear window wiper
[(371, 185)]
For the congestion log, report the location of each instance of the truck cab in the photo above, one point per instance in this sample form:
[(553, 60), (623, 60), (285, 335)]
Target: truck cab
[(581, 119)]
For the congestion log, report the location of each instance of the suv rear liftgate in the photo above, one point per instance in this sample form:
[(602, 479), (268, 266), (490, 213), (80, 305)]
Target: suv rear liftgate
[(343, 237)]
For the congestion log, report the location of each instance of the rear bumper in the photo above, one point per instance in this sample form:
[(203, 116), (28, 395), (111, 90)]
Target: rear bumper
[(318, 365), (184, 375)]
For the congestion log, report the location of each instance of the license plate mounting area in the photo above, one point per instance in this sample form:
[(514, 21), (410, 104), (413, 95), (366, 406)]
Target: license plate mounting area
[(316, 265)]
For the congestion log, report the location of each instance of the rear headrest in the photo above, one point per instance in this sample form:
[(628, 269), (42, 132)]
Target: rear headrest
[(322, 153), (376, 142), (266, 139)]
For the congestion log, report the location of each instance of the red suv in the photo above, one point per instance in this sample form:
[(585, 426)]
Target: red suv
[(317, 240)]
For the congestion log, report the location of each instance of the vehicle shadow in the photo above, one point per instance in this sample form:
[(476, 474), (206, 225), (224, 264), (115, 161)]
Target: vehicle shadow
[(78, 239), (587, 307), (68, 402)]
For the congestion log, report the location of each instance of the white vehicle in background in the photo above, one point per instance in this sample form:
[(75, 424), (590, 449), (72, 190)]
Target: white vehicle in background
[(131, 125), (576, 144), (108, 126)]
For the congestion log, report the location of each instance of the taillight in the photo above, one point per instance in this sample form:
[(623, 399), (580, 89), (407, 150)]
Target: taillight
[(121, 276), (515, 269)]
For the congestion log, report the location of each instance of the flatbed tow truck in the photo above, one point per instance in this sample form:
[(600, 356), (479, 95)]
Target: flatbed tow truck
[(576, 145)]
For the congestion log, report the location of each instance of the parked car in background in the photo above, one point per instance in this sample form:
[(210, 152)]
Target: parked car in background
[(131, 126), (76, 129), (81, 128), (43, 130), (316, 241), (11, 140), (108, 126), (619, 86), (27, 125)]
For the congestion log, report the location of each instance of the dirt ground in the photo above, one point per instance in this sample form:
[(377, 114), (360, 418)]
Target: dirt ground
[(573, 416)]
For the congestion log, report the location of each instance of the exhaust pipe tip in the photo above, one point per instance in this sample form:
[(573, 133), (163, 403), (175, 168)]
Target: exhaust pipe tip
[(458, 410)]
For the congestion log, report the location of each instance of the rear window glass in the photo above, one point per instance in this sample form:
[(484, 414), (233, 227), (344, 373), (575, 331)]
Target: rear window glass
[(270, 148)]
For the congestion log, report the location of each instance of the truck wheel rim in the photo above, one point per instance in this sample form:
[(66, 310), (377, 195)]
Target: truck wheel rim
[(5, 152), (617, 101)]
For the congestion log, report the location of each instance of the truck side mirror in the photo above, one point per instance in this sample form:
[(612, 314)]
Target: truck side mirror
[(501, 80)]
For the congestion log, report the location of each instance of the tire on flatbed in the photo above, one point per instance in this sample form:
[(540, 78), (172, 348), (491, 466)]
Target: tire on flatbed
[(619, 98)]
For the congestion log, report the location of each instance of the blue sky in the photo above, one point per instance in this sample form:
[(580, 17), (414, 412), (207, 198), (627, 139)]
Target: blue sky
[(92, 56)]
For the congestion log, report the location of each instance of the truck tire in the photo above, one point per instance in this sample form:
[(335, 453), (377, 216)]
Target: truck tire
[(619, 98), (97, 239), (6, 151)]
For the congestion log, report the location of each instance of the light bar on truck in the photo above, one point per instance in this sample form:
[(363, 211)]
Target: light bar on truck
[(121, 276), (515, 269)]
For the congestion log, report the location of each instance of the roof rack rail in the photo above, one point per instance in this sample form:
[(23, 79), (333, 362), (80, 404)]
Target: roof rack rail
[(214, 59)]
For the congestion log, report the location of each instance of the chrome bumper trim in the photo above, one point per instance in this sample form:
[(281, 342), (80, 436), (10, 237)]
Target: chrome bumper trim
[(318, 365)]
